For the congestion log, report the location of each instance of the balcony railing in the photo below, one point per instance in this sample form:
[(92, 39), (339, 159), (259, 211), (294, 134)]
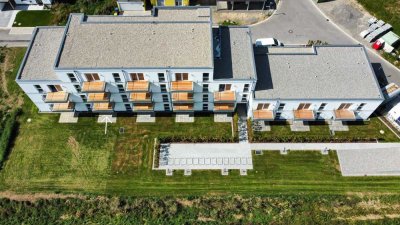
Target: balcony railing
[(98, 97), (183, 107), (303, 114), (224, 107), (140, 97), (94, 86), (182, 86), (263, 114), (56, 97), (143, 107), (344, 114), (182, 97), (103, 107), (224, 96), (63, 107), (140, 85)]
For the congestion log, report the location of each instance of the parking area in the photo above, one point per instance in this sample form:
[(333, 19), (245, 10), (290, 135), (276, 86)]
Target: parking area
[(370, 162), (205, 156)]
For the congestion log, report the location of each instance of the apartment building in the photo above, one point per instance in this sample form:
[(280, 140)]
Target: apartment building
[(315, 83), (171, 61)]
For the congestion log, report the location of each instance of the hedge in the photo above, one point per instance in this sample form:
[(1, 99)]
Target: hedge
[(7, 134)]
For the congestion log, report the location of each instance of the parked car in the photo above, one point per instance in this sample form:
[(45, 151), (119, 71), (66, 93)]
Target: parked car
[(378, 44), (268, 42)]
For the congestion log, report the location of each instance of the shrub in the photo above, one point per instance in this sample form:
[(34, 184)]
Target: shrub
[(7, 135)]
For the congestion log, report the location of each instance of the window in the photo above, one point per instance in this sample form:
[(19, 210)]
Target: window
[(205, 107), (165, 98), (128, 107), (120, 88), (83, 97), (225, 87), (78, 88), (361, 106), (206, 77), (116, 76), (322, 106), (72, 77), (344, 106), (244, 98), (55, 88), (166, 107), (181, 76), (124, 98), (39, 88), (161, 77), (163, 87), (89, 107), (281, 106), (92, 76), (246, 88), (136, 76), (262, 106), (205, 98), (278, 115), (205, 87), (304, 106)]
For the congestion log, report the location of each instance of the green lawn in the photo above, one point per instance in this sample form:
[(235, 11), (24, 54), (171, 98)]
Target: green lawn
[(33, 18), (361, 131)]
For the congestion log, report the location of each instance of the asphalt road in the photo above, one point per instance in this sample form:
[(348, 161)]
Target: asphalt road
[(298, 21)]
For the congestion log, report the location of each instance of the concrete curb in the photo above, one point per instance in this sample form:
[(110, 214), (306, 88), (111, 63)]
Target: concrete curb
[(351, 37)]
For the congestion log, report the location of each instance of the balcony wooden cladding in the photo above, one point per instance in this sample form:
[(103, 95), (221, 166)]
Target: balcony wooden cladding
[(98, 97), (303, 114), (224, 96), (107, 106), (224, 106), (181, 86), (263, 114), (183, 106), (182, 97), (56, 97), (63, 107), (143, 107), (140, 97), (344, 114), (94, 86), (139, 85)]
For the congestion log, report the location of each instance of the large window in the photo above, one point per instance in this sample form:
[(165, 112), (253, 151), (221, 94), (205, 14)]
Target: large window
[(55, 88), (262, 106), (137, 76), (225, 87), (92, 76), (304, 106), (181, 76), (344, 106)]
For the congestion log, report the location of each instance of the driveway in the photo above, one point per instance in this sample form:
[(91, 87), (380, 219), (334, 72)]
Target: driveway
[(297, 21)]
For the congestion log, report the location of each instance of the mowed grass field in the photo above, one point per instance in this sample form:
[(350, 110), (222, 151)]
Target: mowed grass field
[(387, 10)]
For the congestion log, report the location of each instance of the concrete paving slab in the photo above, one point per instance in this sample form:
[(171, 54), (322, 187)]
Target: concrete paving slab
[(299, 126), (222, 118), (338, 126), (68, 117), (145, 118), (370, 162), (108, 118), (184, 118)]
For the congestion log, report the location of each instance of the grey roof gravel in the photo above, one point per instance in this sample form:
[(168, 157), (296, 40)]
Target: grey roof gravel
[(237, 56), (333, 72), (40, 60), (132, 44)]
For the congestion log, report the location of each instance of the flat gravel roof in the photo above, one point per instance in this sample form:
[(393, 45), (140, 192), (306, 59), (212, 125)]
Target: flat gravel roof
[(330, 72), (134, 44), (41, 56)]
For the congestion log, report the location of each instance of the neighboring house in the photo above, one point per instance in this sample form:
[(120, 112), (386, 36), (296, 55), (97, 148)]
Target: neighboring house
[(33, 2), (131, 5), (143, 64), (170, 2), (315, 83)]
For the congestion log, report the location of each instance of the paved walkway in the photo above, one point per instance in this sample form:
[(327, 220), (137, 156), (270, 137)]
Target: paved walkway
[(321, 146)]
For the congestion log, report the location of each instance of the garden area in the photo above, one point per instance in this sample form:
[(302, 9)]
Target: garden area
[(33, 18)]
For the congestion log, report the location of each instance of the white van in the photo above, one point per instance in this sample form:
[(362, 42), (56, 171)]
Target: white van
[(268, 42)]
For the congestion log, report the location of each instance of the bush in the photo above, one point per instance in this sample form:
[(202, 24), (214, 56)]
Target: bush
[(7, 134)]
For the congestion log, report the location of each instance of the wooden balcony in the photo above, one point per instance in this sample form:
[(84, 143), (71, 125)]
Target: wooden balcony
[(224, 96), (98, 97), (56, 97), (103, 107), (263, 115), (182, 97), (94, 86), (63, 107), (140, 97), (183, 107), (143, 107), (303, 114), (344, 114), (182, 86), (224, 107), (139, 85)]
